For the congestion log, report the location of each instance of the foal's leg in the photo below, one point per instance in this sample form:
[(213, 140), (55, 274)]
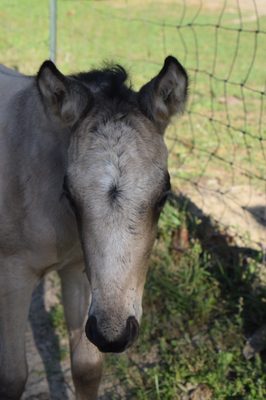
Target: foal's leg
[(16, 288), (86, 360)]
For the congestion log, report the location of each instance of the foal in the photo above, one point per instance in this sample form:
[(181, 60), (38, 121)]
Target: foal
[(83, 179)]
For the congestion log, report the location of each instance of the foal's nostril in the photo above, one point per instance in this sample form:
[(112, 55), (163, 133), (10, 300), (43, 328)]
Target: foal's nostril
[(125, 340), (132, 330)]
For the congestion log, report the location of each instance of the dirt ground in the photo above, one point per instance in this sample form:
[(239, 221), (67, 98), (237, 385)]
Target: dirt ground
[(49, 370), (240, 209), (49, 377), (206, 4)]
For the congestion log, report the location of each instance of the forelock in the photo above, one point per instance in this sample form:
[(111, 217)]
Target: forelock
[(110, 81)]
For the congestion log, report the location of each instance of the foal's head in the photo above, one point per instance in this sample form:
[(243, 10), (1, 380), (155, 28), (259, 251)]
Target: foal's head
[(117, 182)]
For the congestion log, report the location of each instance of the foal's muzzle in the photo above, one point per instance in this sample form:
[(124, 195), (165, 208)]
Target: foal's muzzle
[(124, 341)]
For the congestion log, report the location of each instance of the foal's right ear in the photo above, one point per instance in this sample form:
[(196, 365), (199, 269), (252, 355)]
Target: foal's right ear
[(63, 96), (166, 94)]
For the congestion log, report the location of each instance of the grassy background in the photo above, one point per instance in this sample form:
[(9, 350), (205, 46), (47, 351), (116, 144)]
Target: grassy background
[(199, 304)]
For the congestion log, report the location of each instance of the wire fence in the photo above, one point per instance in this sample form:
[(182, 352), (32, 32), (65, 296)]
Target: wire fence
[(217, 150), (226, 136)]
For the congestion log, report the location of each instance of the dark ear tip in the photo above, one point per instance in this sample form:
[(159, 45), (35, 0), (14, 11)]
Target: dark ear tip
[(169, 60), (48, 64), (172, 60)]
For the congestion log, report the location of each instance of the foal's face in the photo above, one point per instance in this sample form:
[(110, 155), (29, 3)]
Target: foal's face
[(117, 181)]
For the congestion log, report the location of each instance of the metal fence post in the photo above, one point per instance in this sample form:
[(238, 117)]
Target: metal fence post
[(53, 21)]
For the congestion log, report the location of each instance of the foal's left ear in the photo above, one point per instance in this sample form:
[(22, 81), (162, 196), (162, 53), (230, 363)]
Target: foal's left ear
[(63, 96), (166, 94)]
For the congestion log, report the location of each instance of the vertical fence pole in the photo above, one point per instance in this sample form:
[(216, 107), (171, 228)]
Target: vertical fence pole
[(53, 21)]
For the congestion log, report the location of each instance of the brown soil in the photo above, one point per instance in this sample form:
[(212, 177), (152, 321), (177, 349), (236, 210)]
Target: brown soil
[(239, 209), (49, 377), (49, 368)]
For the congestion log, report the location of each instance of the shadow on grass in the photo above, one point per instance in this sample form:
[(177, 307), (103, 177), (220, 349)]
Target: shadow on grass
[(258, 213), (47, 343), (231, 262)]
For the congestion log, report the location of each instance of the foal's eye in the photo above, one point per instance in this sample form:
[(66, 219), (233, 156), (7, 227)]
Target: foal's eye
[(162, 200)]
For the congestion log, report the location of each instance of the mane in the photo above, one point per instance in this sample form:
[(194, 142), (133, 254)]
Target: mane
[(110, 81)]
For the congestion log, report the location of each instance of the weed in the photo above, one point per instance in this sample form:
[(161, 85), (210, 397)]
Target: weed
[(57, 320)]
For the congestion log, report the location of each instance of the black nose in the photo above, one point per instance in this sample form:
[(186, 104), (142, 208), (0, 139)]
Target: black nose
[(129, 335)]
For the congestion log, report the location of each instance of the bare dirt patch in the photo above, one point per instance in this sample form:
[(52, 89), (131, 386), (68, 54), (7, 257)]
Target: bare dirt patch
[(49, 373), (47, 352), (247, 5), (241, 209)]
